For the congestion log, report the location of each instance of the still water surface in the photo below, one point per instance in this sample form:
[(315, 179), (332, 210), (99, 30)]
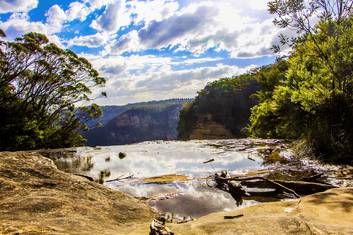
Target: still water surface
[(191, 198)]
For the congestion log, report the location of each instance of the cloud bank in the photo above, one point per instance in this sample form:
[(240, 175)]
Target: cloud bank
[(153, 49)]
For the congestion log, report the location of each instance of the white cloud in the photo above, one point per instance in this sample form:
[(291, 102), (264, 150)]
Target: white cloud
[(242, 28), (91, 41), (156, 10), (128, 42), (7, 6), (138, 78), (171, 30), (202, 25), (114, 17), (55, 18), (19, 23), (77, 10), (194, 61), (121, 13)]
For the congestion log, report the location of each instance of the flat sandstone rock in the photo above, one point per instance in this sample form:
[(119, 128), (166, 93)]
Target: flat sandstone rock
[(37, 198), (329, 212)]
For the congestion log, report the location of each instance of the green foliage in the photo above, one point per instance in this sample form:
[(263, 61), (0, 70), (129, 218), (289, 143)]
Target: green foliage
[(275, 116), (314, 98), (301, 16), (156, 105), (40, 84), (187, 121), (226, 101), (307, 96), (321, 66)]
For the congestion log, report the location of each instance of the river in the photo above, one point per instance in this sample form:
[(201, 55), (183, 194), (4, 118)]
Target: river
[(188, 193)]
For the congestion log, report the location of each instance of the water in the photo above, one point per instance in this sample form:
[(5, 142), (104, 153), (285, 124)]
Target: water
[(183, 198)]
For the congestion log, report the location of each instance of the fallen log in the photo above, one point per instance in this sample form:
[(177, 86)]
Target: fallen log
[(232, 216), (242, 180), (313, 178), (301, 187), (306, 188)]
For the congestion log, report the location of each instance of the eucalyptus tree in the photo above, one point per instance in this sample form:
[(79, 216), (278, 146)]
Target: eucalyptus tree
[(40, 87), (308, 19), (315, 100)]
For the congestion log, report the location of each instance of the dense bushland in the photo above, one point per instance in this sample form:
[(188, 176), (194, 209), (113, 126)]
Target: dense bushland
[(226, 101), (307, 95), (40, 85)]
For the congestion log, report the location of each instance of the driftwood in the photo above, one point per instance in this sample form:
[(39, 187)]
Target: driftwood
[(211, 160), (85, 176), (306, 188), (257, 186), (120, 178), (313, 178), (277, 185), (300, 187), (233, 216)]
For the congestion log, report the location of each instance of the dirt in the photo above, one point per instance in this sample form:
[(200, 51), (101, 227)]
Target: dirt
[(37, 198), (330, 212)]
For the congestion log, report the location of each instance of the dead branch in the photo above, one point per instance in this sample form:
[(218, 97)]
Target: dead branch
[(257, 178), (120, 178)]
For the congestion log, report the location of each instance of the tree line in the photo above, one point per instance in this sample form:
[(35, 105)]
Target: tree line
[(307, 94), (40, 87)]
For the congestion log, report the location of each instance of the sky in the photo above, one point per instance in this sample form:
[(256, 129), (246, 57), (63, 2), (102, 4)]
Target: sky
[(152, 49)]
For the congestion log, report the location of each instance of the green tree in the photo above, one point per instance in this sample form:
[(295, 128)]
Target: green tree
[(226, 101), (324, 90), (314, 100), (275, 116), (40, 86), (303, 17)]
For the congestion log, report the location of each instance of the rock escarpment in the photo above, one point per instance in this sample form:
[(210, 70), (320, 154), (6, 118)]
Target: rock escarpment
[(137, 125)]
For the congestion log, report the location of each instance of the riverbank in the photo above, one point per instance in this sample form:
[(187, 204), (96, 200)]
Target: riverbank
[(37, 198), (329, 212)]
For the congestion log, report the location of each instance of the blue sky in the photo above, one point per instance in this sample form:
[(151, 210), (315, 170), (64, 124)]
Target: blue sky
[(152, 49)]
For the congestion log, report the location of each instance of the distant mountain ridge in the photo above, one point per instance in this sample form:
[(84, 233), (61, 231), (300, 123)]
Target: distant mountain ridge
[(131, 123)]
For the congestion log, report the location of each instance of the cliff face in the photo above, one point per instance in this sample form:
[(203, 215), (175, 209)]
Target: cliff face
[(221, 110), (136, 125)]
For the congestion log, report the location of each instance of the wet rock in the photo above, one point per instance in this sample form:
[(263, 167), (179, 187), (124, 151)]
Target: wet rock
[(158, 227), (102, 175), (122, 155), (278, 154), (329, 212)]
